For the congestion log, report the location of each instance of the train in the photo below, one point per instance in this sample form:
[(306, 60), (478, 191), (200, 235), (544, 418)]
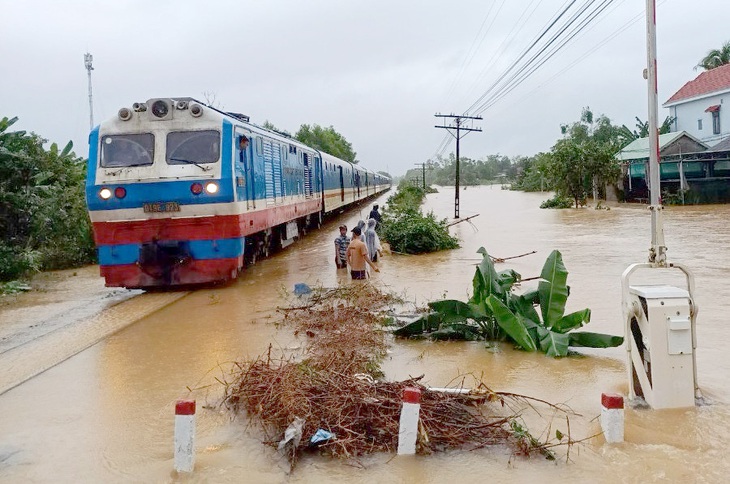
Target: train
[(181, 193)]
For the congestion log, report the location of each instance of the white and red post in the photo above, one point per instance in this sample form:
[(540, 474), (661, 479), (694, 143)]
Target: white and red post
[(409, 414), (185, 435), (612, 417)]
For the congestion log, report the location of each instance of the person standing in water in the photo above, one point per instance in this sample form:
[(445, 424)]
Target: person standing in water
[(357, 256), (375, 214), (341, 244), (372, 241)]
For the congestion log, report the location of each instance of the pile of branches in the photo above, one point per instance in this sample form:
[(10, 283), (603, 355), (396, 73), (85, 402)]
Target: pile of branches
[(333, 386)]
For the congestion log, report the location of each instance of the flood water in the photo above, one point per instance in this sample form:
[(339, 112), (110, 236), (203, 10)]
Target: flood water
[(106, 414)]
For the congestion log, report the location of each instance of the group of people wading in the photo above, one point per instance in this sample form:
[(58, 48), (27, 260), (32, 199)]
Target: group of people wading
[(360, 251)]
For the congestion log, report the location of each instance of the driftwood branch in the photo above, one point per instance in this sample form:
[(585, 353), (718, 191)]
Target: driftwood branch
[(502, 259), (462, 220)]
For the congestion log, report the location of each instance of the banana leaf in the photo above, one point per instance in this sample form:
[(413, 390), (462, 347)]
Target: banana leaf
[(531, 327), (572, 321), (489, 276), (424, 324), (525, 307), (453, 311), (533, 296), (594, 340), (553, 289), (552, 343), (507, 279), (456, 331), (479, 288), (511, 324)]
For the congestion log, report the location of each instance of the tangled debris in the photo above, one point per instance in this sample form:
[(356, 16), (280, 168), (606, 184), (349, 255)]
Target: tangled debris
[(333, 389)]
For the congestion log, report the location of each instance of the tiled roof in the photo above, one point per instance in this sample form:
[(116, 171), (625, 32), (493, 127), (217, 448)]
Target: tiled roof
[(717, 79)]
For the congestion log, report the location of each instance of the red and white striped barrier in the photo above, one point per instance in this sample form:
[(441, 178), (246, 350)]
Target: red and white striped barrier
[(612, 417), (185, 435), (409, 413)]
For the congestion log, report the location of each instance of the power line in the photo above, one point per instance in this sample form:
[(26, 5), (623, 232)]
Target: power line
[(522, 55), (505, 43), (535, 63), (469, 55)]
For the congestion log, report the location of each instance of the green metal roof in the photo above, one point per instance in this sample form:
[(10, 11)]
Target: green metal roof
[(639, 148)]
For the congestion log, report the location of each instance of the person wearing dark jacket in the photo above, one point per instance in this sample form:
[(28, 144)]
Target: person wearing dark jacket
[(375, 214)]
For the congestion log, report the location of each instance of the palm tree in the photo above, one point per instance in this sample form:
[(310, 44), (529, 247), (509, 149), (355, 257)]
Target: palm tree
[(716, 57)]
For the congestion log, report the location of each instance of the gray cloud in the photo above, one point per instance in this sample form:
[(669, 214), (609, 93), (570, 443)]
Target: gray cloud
[(377, 71)]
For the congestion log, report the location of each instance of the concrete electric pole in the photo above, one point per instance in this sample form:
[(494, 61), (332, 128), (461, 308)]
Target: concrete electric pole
[(458, 127)]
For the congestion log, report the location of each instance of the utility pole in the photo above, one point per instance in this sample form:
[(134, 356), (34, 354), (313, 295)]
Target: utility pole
[(658, 251), (423, 166), (459, 127), (88, 58)]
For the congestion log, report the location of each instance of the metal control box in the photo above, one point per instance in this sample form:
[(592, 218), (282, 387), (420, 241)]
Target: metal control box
[(660, 339)]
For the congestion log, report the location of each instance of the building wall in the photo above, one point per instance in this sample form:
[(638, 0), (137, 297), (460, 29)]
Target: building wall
[(688, 114)]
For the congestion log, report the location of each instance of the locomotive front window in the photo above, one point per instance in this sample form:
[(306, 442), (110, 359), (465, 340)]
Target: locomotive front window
[(193, 147), (123, 150)]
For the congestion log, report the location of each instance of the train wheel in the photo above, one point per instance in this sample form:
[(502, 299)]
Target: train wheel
[(250, 253), (266, 246)]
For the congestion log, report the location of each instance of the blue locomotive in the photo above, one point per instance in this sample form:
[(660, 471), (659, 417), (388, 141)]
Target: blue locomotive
[(181, 193)]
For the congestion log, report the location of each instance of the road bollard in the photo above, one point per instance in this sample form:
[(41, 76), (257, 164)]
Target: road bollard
[(409, 412), (612, 417), (184, 435)]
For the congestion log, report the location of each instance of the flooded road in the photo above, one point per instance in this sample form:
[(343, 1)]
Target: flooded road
[(106, 414)]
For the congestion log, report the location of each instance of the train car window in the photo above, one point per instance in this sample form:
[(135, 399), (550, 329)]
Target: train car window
[(191, 147), (121, 150), (292, 149), (259, 146)]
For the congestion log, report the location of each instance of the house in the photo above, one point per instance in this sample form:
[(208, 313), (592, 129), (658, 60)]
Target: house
[(673, 149), (699, 106)]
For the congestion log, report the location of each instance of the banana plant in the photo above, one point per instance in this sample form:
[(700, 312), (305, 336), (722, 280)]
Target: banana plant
[(495, 312)]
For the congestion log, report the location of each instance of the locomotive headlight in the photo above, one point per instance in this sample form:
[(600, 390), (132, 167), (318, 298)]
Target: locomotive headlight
[(160, 108), (196, 110), (125, 114), (211, 187), (105, 193)]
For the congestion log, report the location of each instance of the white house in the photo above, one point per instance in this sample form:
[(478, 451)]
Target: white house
[(699, 106)]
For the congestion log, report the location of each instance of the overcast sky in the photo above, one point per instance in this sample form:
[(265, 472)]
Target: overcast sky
[(376, 70)]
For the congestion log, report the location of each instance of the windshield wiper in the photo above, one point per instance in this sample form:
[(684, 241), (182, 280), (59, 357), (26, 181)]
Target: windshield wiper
[(190, 162)]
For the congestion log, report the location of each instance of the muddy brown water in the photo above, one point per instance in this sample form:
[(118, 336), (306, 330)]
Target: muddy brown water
[(106, 414)]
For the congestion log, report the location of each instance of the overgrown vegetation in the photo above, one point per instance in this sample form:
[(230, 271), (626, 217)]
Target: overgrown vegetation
[(43, 219), (496, 313), (407, 230), (332, 397)]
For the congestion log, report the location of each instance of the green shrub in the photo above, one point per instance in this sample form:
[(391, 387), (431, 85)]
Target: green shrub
[(407, 230), (557, 202), (15, 262)]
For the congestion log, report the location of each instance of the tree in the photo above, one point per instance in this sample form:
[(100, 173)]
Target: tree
[(584, 158), (327, 140), (642, 130), (43, 218), (716, 57)]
